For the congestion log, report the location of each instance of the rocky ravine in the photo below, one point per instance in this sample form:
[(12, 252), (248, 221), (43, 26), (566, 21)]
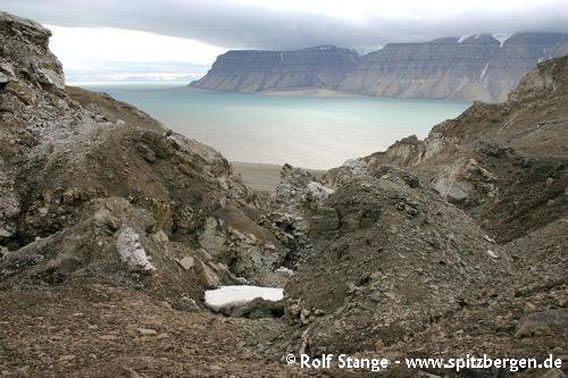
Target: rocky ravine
[(112, 227), (478, 67)]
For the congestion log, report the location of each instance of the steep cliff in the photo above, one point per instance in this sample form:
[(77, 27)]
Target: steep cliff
[(475, 68), (518, 55), (445, 68), (254, 71), (479, 67)]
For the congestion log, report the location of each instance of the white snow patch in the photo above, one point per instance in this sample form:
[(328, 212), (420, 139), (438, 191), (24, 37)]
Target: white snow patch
[(463, 38), (484, 71), (502, 37), (227, 296)]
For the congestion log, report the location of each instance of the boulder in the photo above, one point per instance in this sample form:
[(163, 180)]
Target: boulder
[(131, 251), (257, 309), (324, 219), (551, 322)]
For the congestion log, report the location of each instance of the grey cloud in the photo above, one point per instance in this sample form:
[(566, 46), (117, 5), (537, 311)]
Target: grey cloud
[(225, 24)]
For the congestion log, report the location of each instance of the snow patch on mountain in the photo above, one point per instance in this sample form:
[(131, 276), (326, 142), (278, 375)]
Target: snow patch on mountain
[(229, 296)]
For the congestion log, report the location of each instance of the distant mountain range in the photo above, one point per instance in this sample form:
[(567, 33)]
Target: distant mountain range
[(481, 67)]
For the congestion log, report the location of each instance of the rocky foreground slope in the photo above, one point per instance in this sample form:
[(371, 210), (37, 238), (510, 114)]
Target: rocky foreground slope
[(486, 272), (112, 227), (478, 67)]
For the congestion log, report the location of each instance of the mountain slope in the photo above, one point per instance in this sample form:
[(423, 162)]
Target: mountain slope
[(442, 68), (255, 71), (498, 159), (95, 188), (478, 67), (393, 270)]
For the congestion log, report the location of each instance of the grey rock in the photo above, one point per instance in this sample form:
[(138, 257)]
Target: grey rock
[(146, 331), (4, 79), (552, 322), (146, 152), (488, 239), (255, 71), (451, 190), (256, 309), (186, 263), (208, 277), (549, 181), (105, 222), (325, 219), (131, 251)]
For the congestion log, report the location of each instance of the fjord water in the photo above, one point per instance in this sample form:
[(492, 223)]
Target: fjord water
[(305, 131)]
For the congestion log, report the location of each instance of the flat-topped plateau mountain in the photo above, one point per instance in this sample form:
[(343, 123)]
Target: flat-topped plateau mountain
[(478, 67), (254, 71), (112, 228)]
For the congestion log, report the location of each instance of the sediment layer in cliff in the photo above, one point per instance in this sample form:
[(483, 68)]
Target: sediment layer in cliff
[(255, 71), (480, 67)]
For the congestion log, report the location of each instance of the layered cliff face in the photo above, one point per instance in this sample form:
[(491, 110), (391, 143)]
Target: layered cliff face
[(478, 67), (475, 68), (445, 68), (254, 71), (518, 55)]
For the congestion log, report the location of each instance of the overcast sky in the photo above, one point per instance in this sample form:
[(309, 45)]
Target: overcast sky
[(179, 39)]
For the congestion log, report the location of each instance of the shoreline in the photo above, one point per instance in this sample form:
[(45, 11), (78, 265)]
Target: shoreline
[(263, 177), (322, 92)]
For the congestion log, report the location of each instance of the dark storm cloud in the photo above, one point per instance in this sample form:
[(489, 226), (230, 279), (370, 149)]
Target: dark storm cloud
[(228, 24)]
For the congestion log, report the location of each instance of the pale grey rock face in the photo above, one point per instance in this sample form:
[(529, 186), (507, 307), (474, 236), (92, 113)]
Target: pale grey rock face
[(131, 251), (39, 64), (518, 55)]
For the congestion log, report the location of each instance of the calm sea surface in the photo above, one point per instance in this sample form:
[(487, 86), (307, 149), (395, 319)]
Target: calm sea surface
[(305, 131)]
